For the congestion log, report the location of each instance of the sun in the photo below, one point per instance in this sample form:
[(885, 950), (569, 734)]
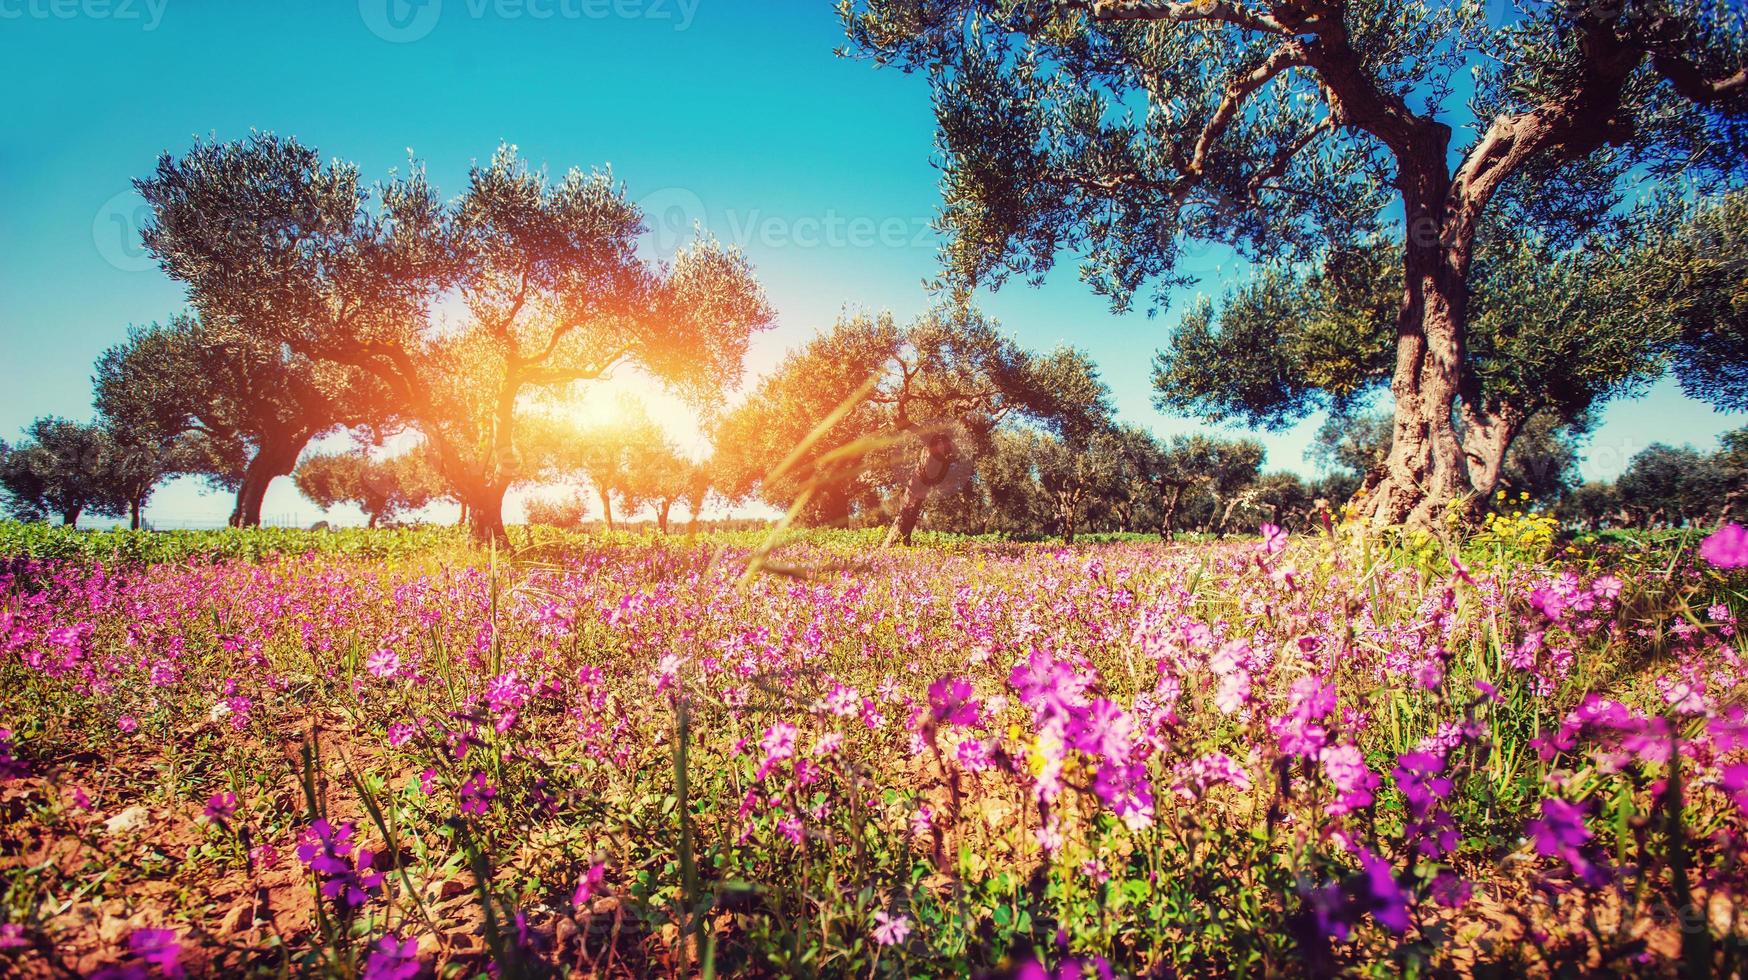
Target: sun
[(619, 398)]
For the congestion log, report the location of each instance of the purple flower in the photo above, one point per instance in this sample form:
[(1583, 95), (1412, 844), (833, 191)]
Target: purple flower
[(383, 664), (972, 754), (159, 948), (890, 930), (951, 702), (1387, 902), (1125, 789), (221, 806), (1273, 538), (1345, 768), (10, 767), (779, 744), (477, 794), (12, 936), (1420, 777), (587, 882), (1561, 833), (1103, 729), (393, 958), (1451, 891), (1300, 730), (345, 879), (1548, 603), (1727, 547), (1561, 826)]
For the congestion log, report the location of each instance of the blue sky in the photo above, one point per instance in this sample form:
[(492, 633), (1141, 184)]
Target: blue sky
[(731, 113)]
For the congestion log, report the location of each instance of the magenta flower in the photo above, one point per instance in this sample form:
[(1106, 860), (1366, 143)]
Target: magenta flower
[(951, 702), (477, 794), (345, 879), (890, 930), (1561, 833), (587, 882), (1451, 891), (1273, 538), (393, 958), (1420, 777), (779, 744), (383, 664), (1726, 548), (159, 948), (973, 754), (1388, 902), (12, 936), (1345, 768), (10, 766), (221, 806), (1561, 827)]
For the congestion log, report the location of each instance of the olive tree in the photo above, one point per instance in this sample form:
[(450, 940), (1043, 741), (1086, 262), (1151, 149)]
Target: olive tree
[(523, 286), (1117, 130)]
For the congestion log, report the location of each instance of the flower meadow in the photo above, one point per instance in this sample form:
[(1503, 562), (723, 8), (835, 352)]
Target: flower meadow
[(1294, 754)]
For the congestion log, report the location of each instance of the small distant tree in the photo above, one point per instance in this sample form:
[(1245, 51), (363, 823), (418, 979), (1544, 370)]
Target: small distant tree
[(1672, 486), (701, 480), (923, 402), (138, 462), (615, 457), (567, 511), (661, 476), (64, 469), (255, 403), (1008, 475), (1592, 506), (382, 488), (1071, 470), (1282, 498), (1184, 466)]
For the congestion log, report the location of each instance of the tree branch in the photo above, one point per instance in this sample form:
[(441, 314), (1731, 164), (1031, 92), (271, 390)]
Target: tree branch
[(1217, 11)]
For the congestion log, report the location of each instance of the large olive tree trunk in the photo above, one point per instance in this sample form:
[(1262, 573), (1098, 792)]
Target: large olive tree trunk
[(276, 457), (1426, 476), (484, 504), (932, 464)]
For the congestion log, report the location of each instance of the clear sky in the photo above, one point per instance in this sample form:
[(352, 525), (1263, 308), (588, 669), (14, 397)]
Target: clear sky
[(733, 113)]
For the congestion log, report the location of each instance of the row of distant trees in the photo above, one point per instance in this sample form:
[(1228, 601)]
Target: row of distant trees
[(319, 304), (1667, 486)]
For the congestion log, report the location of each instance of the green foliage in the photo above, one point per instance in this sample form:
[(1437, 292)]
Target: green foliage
[(923, 402), (554, 292), (121, 546), (1118, 132), (382, 488)]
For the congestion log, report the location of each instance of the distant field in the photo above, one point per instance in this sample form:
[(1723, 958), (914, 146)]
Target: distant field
[(248, 752)]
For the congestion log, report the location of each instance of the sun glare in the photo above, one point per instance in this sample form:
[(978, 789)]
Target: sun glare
[(613, 400)]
